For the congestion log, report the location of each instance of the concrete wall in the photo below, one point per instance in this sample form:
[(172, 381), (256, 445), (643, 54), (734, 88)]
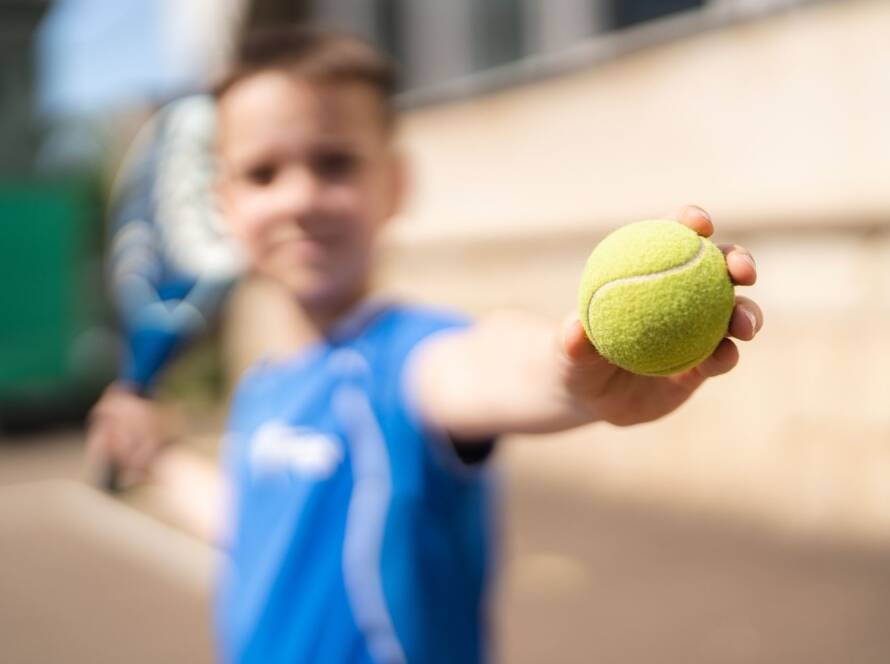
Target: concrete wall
[(776, 120)]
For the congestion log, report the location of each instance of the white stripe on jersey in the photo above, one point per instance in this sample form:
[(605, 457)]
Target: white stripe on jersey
[(366, 518)]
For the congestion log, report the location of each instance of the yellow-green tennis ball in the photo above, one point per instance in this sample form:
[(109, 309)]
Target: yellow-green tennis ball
[(655, 297)]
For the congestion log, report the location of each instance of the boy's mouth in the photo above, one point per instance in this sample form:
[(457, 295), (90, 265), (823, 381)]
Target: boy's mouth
[(308, 249)]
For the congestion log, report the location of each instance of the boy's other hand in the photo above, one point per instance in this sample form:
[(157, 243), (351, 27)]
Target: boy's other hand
[(128, 430), (614, 395)]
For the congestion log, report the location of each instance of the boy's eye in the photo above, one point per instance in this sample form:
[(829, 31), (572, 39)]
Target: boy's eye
[(260, 175), (335, 165)]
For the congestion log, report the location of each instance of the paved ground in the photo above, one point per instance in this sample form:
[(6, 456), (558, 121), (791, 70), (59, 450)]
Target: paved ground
[(586, 578), (84, 578), (592, 580)]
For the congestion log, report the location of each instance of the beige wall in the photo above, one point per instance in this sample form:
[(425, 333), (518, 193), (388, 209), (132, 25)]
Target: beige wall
[(778, 119)]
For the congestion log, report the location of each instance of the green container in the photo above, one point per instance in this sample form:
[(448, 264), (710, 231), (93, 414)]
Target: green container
[(56, 350)]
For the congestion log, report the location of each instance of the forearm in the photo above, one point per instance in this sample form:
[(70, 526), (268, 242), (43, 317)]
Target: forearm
[(506, 374), (193, 492)]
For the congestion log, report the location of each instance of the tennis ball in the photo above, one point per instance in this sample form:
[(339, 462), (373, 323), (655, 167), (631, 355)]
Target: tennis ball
[(655, 297)]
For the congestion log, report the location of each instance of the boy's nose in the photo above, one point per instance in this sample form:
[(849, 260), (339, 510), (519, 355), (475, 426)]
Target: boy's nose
[(298, 191)]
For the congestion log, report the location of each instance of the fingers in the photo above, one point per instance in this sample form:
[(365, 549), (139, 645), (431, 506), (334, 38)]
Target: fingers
[(746, 320), (130, 451), (99, 437), (127, 430), (740, 263), (722, 360), (110, 439), (696, 218), (575, 343), (142, 454)]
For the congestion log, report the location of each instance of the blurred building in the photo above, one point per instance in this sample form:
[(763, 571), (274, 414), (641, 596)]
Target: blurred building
[(76, 76), (437, 42), (18, 131)]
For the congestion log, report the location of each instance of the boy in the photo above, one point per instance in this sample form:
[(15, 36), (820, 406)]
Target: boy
[(359, 529)]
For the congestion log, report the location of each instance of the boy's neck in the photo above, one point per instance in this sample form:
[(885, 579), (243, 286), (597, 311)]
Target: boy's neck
[(323, 320)]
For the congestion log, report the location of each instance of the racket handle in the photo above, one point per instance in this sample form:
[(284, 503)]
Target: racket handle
[(110, 477)]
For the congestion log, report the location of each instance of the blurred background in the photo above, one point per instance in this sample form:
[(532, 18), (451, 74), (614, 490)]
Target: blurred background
[(751, 526)]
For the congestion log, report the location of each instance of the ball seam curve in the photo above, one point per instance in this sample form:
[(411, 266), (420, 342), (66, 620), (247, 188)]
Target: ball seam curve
[(637, 278)]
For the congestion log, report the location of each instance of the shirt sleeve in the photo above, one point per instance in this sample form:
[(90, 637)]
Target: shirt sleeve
[(458, 452)]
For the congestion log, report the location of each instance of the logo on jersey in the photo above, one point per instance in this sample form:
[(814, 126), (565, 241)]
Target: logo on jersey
[(277, 447)]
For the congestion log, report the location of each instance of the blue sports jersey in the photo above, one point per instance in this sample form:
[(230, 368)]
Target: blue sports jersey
[(358, 535)]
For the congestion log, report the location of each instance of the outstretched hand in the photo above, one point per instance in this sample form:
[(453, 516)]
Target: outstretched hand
[(620, 397)]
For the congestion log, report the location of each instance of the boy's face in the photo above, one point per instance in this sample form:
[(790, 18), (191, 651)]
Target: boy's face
[(308, 178)]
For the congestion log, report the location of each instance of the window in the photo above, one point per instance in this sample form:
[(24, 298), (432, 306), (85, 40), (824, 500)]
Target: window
[(440, 41), (624, 13), (497, 32)]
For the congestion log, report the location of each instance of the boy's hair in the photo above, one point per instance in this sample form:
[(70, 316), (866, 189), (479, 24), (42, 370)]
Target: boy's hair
[(316, 55)]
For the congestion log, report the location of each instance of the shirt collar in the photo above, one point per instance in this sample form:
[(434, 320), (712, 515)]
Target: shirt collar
[(354, 321)]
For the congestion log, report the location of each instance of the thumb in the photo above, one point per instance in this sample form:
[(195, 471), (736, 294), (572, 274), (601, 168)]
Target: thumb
[(575, 344)]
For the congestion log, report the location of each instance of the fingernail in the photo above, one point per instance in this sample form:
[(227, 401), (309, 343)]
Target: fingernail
[(750, 260), (751, 319)]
